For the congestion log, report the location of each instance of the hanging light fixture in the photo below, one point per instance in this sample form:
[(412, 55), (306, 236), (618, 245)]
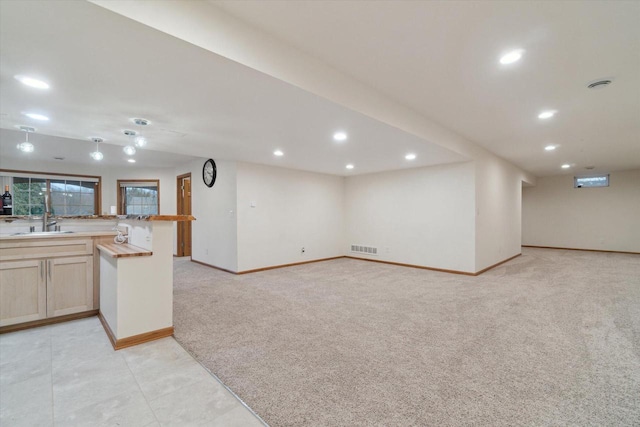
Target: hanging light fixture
[(26, 146), (97, 155), (140, 141), (130, 150)]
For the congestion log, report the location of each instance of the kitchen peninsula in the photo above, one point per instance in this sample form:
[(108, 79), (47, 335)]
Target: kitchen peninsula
[(52, 277), (136, 281)]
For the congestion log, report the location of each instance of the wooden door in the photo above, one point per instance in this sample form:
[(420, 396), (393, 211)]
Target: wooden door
[(69, 285), (184, 208), (23, 292)]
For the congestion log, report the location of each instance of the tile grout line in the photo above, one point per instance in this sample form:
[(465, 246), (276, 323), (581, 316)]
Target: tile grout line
[(141, 391), (223, 384)]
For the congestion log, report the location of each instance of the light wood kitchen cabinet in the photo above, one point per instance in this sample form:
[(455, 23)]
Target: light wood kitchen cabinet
[(58, 279), (69, 285), (23, 291)]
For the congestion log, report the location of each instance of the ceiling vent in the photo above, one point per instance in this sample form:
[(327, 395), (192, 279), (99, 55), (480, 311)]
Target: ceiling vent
[(599, 84)]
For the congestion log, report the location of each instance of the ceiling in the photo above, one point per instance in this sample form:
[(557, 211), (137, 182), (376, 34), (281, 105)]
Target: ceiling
[(71, 150), (105, 69), (441, 59)]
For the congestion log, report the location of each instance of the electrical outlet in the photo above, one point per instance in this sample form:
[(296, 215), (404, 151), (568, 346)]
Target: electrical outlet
[(302, 250)]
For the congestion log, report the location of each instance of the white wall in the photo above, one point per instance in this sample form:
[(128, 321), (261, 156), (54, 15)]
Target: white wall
[(422, 216), (293, 209), (558, 215), (498, 211), (214, 232)]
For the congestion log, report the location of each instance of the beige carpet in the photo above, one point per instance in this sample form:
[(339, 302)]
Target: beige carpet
[(549, 338)]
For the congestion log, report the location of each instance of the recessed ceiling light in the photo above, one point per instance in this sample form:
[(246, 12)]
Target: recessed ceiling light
[(550, 147), (410, 156), (278, 153), (547, 114), (131, 160), (129, 150), (340, 136), (349, 166), (130, 132), (566, 166), (30, 81), (35, 116), (511, 57), (140, 122)]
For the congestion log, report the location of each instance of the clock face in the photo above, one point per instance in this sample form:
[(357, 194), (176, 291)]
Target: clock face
[(209, 172)]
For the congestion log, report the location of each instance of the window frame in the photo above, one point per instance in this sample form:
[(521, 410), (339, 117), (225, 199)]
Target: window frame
[(122, 200), (576, 178), (48, 177)]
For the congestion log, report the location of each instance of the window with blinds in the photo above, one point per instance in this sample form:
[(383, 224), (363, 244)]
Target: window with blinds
[(139, 197)]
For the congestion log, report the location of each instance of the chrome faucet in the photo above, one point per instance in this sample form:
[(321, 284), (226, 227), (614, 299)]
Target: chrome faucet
[(45, 215)]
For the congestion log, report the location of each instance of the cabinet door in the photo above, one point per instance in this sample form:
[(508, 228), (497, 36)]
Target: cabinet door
[(22, 291), (69, 285)]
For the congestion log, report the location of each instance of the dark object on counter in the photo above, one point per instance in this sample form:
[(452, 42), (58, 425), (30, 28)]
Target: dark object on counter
[(7, 202)]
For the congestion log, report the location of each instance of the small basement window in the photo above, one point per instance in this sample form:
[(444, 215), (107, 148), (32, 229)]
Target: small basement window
[(591, 181)]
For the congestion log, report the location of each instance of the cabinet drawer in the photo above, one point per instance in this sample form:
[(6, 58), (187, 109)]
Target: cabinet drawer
[(44, 248)]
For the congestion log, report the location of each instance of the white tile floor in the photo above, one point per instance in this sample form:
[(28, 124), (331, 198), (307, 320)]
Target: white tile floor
[(69, 375)]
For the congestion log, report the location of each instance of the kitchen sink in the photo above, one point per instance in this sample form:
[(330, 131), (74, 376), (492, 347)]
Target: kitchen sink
[(42, 233)]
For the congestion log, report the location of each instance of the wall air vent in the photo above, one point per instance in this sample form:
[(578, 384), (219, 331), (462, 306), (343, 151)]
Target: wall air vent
[(368, 250)]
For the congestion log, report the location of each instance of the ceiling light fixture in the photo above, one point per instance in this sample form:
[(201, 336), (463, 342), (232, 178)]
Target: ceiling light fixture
[(566, 166), (26, 146), (129, 150), (35, 116), (410, 156), (97, 155), (511, 57), (30, 81), (349, 166), (278, 153), (550, 147), (140, 141), (547, 114), (131, 160), (140, 122), (340, 136)]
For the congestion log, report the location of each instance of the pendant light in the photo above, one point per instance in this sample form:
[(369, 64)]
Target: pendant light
[(130, 150), (26, 146), (97, 155)]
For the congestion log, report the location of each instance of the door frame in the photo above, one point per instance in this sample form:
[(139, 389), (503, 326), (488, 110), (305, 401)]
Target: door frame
[(179, 208)]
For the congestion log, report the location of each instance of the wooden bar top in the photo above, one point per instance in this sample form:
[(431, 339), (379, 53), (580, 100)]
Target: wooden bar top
[(122, 251)]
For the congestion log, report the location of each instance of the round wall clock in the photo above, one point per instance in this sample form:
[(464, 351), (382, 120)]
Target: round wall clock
[(209, 172)]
